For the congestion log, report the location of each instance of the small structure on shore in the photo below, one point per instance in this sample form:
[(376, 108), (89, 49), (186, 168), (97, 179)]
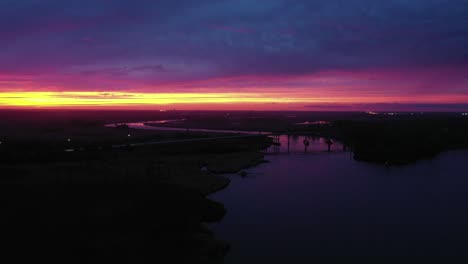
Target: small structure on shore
[(306, 144), (204, 169), (329, 143)]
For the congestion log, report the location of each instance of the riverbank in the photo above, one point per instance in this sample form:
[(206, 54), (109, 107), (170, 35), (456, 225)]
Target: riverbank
[(396, 140), (400, 141), (138, 204)]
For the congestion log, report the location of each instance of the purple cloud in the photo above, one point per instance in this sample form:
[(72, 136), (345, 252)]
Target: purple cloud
[(122, 44)]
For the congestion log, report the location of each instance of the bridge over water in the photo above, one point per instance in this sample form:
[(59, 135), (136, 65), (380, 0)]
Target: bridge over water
[(302, 143)]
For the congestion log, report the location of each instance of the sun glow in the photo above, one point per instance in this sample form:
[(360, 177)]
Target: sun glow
[(258, 99), (96, 99)]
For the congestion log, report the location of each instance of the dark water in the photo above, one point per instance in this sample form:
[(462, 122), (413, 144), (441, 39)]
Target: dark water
[(323, 206)]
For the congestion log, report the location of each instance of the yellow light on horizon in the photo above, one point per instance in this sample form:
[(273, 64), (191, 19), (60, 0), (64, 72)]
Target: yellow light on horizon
[(208, 100), (57, 99)]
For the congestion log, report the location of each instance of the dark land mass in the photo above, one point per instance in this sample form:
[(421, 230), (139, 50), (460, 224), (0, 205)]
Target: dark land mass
[(99, 204), (399, 142), (385, 138), (396, 140), (143, 204)]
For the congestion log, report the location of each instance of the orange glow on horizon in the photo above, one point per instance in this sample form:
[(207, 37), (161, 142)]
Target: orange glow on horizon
[(252, 100), (55, 99)]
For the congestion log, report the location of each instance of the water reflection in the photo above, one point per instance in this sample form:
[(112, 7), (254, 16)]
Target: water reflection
[(295, 144), (305, 208)]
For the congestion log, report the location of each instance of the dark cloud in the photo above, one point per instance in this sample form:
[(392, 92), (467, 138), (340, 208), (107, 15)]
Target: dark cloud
[(193, 40)]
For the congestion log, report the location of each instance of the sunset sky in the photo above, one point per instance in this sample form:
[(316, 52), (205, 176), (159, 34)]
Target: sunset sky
[(235, 54)]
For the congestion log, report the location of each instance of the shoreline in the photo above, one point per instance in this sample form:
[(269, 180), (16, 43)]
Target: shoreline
[(249, 160), (88, 194)]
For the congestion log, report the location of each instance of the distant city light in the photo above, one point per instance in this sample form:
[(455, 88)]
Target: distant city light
[(372, 113), (464, 114), (129, 135), (68, 140)]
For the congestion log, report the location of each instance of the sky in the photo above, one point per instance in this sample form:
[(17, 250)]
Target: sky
[(235, 54)]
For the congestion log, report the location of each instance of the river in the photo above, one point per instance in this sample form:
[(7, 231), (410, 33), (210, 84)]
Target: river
[(320, 206), (313, 205), (153, 125)]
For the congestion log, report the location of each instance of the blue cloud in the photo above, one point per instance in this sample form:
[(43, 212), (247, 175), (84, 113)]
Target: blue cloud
[(208, 38)]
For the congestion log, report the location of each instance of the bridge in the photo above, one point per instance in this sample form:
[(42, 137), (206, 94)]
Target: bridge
[(286, 143)]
